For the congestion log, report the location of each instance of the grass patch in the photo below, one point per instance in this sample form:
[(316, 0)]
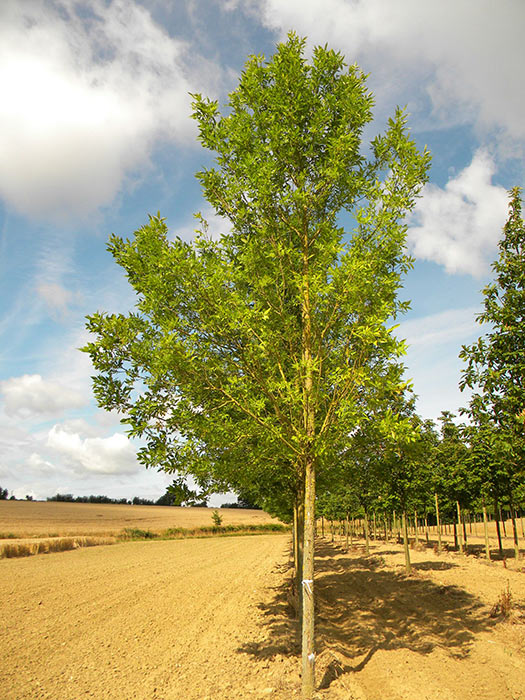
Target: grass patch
[(61, 544), (135, 533)]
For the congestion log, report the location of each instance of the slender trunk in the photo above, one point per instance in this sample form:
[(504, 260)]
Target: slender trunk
[(300, 552), (322, 526), (308, 648), (486, 529), (385, 524), (521, 521), (408, 567), (347, 526), (438, 523), (416, 533), (498, 530), (464, 533), (367, 540), (515, 532), (458, 538), (332, 529), (294, 542), (375, 528), (426, 529), (455, 535), (502, 518)]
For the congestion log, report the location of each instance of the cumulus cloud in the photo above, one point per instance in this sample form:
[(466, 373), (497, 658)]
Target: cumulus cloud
[(430, 332), (435, 341), (469, 60), (111, 455), (458, 226), (217, 225), (88, 88), (30, 395), (56, 297)]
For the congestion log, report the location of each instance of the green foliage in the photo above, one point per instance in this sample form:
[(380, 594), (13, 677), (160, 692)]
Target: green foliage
[(217, 518), (496, 367), (3, 494), (251, 356)]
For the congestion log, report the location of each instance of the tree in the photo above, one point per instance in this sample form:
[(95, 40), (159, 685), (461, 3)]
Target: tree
[(496, 362), (3, 494), (266, 342)]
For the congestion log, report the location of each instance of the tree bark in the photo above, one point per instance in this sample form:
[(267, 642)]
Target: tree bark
[(408, 567), (515, 532), (308, 624), (498, 530), (416, 533), (458, 538), (438, 523), (486, 529), (367, 540)]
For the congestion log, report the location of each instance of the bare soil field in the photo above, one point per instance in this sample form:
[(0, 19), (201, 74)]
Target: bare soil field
[(61, 519), (212, 619)]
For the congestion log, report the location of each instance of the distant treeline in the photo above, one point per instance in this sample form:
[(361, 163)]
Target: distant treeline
[(165, 500), (172, 497)]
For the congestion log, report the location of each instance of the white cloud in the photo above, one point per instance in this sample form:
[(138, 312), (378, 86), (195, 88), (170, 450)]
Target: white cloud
[(432, 359), (111, 455), (88, 87), (430, 332), (56, 297), (468, 56), (459, 226), (217, 225), (30, 395)]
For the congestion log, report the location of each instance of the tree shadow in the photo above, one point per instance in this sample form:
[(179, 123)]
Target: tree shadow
[(363, 606)]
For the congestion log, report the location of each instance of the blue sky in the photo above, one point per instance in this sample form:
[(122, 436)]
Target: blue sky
[(95, 134)]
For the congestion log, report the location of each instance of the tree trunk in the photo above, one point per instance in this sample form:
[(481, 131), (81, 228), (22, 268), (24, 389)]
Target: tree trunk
[(464, 532), (416, 533), (347, 527), (515, 532), (438, 523), (455, 535), (308, 648), (375, 528), (498, 530), (322, 525), (408, 567), (486, 529), (367, 539), (458, 537), (426, 529), (502, 518)]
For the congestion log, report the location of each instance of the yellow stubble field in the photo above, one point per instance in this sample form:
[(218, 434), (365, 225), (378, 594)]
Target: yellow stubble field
[(29, 519)]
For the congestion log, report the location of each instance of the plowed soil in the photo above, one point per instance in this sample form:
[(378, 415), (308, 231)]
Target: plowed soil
[(213, 619)]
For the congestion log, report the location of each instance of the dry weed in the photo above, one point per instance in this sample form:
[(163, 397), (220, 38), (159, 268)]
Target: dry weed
[(503, 606)]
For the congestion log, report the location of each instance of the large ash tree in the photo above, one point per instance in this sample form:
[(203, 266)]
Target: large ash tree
[(249, 360)]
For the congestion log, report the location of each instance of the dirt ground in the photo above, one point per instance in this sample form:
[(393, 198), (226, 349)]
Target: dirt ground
[(213, 619), (52, 519)]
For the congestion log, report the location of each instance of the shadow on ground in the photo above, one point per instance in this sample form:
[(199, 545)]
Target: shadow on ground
[(363, 606)]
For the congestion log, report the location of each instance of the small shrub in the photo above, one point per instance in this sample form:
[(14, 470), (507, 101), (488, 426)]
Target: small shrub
[(503, 607), (135, 533), (217, 518)]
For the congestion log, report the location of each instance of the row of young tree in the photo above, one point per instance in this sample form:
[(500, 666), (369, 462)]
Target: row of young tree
[(264, 361)]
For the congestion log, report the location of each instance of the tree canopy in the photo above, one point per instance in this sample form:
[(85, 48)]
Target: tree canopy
[(251, 358)]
